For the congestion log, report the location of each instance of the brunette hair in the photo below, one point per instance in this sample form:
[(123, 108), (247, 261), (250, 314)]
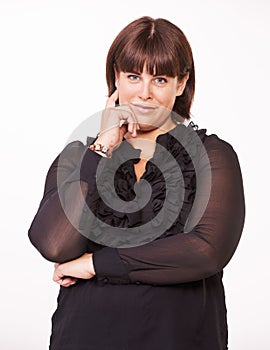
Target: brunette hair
[(162, 47)]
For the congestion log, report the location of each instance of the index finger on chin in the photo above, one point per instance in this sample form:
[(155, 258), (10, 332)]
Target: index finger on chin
[(112, 99)]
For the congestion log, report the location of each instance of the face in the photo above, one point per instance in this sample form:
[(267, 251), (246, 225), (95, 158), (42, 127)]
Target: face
[(150, 97)]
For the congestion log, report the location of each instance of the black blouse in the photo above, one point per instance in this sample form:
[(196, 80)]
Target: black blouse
[(194, 243)]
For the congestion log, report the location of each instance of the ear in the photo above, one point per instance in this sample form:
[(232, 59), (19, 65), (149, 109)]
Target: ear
[(181, 85)]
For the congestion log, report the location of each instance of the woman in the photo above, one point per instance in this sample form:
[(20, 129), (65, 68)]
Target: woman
[(139, 245)]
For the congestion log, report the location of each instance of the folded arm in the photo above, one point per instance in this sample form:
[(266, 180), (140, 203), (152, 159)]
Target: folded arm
[(202, 251), (55, 228)]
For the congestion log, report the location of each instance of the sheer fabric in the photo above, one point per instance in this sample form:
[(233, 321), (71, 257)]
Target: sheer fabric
[(197, 253), (162, 294)]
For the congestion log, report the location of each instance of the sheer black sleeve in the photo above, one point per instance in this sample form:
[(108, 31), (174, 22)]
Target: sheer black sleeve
[(202, 251), (54, 230)]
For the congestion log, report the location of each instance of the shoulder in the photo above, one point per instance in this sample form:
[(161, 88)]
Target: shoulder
[(78, 146), (212, 143), (74, 147), (219, 149), (72, 153)]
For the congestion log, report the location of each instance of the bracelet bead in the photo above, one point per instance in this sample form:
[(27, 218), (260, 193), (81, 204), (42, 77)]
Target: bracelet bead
[(97, 147)]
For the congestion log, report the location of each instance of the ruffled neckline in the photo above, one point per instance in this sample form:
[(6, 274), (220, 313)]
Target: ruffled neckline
[(178, 148)]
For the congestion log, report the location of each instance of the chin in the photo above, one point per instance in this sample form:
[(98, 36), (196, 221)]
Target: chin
[(147, 127)]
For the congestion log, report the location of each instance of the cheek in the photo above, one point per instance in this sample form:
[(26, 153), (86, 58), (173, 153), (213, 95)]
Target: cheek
[(167, 99), (126, 92), (172, 96)]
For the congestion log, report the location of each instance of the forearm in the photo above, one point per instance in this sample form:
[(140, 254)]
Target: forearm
[(198, 253), (56, 230)]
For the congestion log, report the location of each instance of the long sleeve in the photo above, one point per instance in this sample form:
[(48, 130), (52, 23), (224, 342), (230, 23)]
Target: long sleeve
[(202, 251), (55, 229)]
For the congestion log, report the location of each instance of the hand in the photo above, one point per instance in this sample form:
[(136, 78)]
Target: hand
[(115, 123), (66, 274)]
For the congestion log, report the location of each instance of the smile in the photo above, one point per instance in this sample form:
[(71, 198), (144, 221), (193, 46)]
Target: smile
[(143, 108)]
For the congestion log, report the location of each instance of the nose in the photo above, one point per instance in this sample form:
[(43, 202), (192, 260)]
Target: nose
[(145, 91)]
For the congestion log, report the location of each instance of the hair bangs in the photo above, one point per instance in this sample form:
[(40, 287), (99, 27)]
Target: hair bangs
[(158, 58)]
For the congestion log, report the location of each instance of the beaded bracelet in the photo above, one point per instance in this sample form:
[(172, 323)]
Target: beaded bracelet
[(97, 147)]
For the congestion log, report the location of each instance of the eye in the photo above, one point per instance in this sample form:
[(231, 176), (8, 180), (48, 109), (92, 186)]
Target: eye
[(133, 77), (161, 80)]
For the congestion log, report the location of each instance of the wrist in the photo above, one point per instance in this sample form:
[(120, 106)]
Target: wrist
[(101, 149)]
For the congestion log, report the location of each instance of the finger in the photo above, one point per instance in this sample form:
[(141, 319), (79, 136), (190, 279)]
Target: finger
[(132, 128), (57, 275), (57, 278), (112, 99), (68, 285), (68, 281), (135, 129), (132, 122), (123, 131)]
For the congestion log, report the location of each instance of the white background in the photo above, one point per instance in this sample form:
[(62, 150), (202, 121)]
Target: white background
[(52, 77)]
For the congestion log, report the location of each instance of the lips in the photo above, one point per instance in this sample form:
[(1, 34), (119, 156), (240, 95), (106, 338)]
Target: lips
[(143, 108)]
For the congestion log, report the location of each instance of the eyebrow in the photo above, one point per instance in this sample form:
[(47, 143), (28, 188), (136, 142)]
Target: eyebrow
[(133, 71), (154, 75)]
